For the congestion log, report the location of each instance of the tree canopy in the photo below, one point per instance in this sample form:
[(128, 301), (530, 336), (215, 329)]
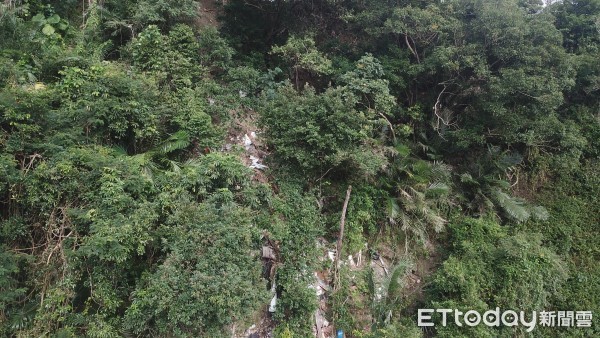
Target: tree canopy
[(178, 168)]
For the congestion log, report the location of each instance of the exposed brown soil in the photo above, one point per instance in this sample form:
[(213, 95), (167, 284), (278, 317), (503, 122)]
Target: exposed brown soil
[(209, 12)]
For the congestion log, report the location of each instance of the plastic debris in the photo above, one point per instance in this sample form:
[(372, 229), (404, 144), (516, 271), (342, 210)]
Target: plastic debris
[(273, 304), (268, 253), (256, 164), (247, 142), (331, 255)]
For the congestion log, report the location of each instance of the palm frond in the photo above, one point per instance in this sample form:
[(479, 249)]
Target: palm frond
[(177, 141), (512, 206), (175, 166), (440, 171), (392, 210), (503, 184), (509, 160), (405, 221), (435, 220), (467, 178), (119, 150), (437, 189), (394, 282), (540, 213)]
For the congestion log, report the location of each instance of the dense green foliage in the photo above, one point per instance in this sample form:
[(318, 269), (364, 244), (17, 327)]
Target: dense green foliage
[(468, 129)]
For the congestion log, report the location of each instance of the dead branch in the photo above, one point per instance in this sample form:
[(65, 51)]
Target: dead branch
[(383, 266), (413, 51), (437, 108), (391, 126), (439, 113), (338, 253)]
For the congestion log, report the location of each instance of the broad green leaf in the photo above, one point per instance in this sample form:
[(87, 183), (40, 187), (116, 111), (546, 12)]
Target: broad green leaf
[(38, 18), (53, 19), (48, 30)]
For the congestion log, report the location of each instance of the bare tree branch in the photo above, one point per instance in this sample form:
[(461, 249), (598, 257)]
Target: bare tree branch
[(338, 253)]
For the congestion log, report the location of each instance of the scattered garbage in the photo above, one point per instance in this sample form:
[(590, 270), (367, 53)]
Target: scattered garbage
[(320, 286), (256, 164), (273, 303), (247, 142), (253, 153), (331, 255), (268, 253), (320, 324)]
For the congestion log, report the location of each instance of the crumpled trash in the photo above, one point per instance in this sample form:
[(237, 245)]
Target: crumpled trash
[(247, 141), (331, 255), (273, 303), (256, 164)]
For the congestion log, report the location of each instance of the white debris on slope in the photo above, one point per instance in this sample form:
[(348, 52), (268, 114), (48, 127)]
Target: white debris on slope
[(247, 142), (321, 323), (256, 164), (273, 303), (252, 151), (331, 255), (351, 261)]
